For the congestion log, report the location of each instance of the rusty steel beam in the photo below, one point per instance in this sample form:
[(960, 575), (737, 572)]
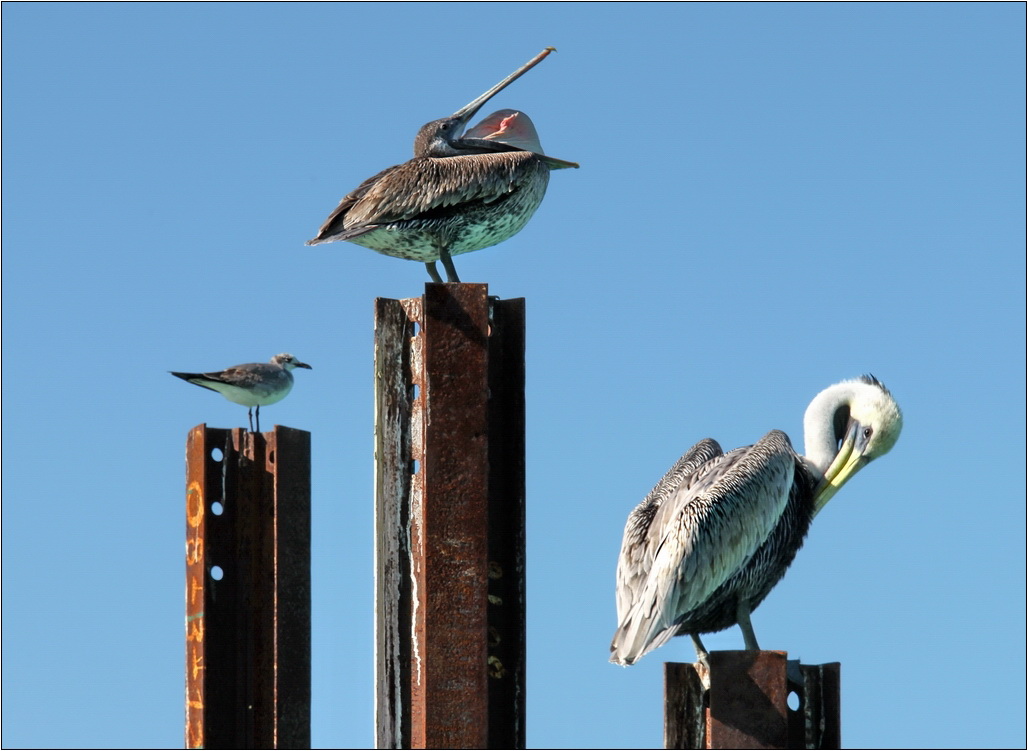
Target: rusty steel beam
[(748, 700), (394, 393), (449, 527), (506, 592), (743, 702), (685, 709), (247, 588), (817, 722), (450, 520)]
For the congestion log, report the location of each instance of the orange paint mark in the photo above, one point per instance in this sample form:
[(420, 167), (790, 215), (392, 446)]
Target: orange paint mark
[(194, 724), (194, 504), (195, 631), (194, 550), (195, 737), (194, 587)]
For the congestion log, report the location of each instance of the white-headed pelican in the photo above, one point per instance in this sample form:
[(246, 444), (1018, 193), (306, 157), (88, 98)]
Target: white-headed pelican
[(716, 534)]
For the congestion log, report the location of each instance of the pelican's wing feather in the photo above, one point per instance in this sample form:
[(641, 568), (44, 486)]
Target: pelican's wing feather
[(334, 228), (429, 184), (637, 545), (703, 534)]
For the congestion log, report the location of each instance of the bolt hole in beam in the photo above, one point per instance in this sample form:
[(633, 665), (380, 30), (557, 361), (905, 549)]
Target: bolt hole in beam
[(793, 700), (217, 454), (217, 508), (217, 573)]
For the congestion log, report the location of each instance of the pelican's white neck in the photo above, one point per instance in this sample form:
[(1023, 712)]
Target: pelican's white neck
[(821, 442)]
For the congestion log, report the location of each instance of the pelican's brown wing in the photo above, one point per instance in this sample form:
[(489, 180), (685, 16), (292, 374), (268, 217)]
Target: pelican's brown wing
[(335, 225), (426, 184)]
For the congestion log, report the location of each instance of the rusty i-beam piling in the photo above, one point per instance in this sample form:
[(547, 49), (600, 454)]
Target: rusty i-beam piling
[(450, 520), (743, 702), (248, 613)]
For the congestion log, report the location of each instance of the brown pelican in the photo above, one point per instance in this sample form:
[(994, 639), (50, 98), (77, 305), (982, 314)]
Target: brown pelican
[(716, 534), (254, 384), (458, 194)]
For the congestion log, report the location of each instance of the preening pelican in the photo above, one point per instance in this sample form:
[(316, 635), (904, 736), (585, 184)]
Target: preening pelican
[(461, 191), (716, 534)]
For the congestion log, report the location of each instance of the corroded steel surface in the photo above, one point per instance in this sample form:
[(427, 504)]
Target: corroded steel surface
[(685, 711), (247, 589), (394, 328), (743, 703), (747, 700), (449, 525), (197, 504), (288, 459), (450, 520), (506, 609), (816, 723)]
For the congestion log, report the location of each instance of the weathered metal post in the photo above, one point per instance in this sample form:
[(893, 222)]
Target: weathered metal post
[(450, 525), (743, 702), (248, 611)]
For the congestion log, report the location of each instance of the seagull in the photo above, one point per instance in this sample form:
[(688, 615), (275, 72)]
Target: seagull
[(254, 384)]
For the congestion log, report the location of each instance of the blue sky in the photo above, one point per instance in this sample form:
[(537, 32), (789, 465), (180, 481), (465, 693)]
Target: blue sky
[(772, 198)]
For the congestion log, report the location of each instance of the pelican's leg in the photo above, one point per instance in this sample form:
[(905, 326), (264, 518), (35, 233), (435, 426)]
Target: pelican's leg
[(433, 272), (742, 617), (451, 273), (701, 651)]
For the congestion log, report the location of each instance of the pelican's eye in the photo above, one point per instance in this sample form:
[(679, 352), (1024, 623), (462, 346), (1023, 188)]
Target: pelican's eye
[(868, 432)]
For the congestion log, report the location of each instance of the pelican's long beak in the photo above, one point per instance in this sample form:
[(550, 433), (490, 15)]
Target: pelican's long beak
[(847, 462), (465, 113)]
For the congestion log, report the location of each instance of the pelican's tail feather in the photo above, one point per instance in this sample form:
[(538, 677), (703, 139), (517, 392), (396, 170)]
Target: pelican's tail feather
[(632, 640)]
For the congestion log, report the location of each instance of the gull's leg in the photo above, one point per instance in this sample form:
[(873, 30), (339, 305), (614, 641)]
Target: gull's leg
[(742, 616), (249, 416), (258, 415), (432, 272), (451, 273)]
